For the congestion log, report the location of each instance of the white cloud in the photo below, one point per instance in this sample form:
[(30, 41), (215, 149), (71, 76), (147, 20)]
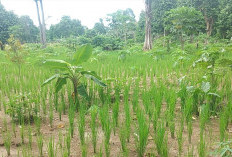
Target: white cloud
[(88, 11)]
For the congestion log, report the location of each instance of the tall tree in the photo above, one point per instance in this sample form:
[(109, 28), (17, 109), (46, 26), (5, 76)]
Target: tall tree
[(25, 30), (99, 27), (224, 24), (148, 36), (140, 31), (65, 28), (210, 10), (183, 21), (41, 26), (122, 24), (159, 8), (43, 22), (7, 20)]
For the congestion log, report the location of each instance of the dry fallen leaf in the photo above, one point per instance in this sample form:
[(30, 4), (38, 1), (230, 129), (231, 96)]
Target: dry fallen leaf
[(60, 126)]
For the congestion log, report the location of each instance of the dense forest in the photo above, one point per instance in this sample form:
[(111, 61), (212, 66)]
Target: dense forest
[(179, 19), (158, 85)]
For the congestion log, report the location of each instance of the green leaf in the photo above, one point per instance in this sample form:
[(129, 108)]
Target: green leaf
[(50, 79), (82, 91), (77, 68), (93, 73), (205, 86), (57, 64), (96, 80), (82, 54), (214, 94), (60, 82)]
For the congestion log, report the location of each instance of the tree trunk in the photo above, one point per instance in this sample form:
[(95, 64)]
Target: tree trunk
[(209, 24), (148, 37), (43, 24), (75, 85), (40, 25)]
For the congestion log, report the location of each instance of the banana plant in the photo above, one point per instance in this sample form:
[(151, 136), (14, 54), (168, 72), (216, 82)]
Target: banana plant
[(73, 72)]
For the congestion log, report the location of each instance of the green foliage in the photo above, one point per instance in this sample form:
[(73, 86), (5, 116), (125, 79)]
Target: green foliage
[(25, 30), (7, 20), (99, 27), (183, 20), (14, 50), (65, 28), (122, 24), (159, 8), (82, 54)]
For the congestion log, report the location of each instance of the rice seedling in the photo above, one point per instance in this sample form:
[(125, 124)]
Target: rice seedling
[(84, 150), (81, 125), (100, 152), (202, 147), (38, 124), (115, 115), (204, 116), (60, 142), (44, 105), (51, 147), (94, 112), (68, 143), (55, 99), (122, 137), (190, 152), (5, 124), (127, 120), (63, 103), (222, 124), (60, 111), (7, 142), (135, 98), (107, 132), (188, 111), (30, 137), (160, 137), (14, 129), (71, 116), (155, 119), (40, 144), (22, 131), (165, 147), (51, 115), (180, 136), (141, 135), (26, 152)]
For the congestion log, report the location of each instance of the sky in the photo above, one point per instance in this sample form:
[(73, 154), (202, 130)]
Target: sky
[(88, 11)]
